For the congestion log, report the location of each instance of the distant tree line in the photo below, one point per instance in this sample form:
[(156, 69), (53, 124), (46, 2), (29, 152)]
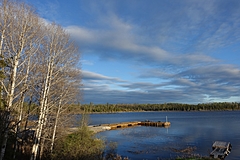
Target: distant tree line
[(94, 108)]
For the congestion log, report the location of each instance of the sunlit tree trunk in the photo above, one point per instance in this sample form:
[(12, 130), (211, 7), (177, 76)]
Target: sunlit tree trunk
[(19, 34), (68, 85), (55, 124), (3, 25), (21, 103), (43, 109), (59, 53), (22, 37)]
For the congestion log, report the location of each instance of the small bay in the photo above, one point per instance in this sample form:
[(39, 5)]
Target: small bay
[(196, 130)]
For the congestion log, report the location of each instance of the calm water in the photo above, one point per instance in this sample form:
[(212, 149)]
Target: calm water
[(188, 129)]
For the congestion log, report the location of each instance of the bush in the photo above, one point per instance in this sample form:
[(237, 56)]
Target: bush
[(79, 145)]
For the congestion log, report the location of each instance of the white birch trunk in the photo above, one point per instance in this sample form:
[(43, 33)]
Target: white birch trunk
[(43, 111), (5, 135), (17, 129), (3, 147), (59, 52), (55, 124), (19, 29), (9, 104)]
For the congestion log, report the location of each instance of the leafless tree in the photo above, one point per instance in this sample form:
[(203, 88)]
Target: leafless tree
[(41, 65), (19, 39), (57, 55), (69, 93)]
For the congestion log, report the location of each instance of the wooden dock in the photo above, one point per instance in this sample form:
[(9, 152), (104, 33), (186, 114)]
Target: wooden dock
[(155, 124), (220, 149), (136, 123), (121, 125), (112, 126)]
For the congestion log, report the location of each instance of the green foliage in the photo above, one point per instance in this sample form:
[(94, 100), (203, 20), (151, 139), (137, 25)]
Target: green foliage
[(2, 76), (30, 108), (2, 103), (109, 108), (79, 145), (2, 65)]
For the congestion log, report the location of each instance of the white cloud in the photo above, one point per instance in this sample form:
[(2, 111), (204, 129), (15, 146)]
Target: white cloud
[(86, 62), (175, 41), (122, 44), (82, 35), (188, 86), (96, 76)]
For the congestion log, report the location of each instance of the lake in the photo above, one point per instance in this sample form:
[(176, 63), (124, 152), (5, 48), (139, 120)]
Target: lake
[(188, 129)]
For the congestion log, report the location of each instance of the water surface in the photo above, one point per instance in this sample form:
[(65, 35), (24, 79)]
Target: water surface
[(188, 129)]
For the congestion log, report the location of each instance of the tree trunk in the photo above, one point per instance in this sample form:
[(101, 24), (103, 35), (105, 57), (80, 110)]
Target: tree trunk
[(43, 111), (55, 124), (5, 136), (9, 105), (17, 127)]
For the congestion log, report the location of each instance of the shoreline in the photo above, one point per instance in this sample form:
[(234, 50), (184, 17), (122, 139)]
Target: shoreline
[(228, 110)]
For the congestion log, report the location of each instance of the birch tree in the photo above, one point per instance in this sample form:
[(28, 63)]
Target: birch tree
[(69, 93), (19, 26), (57, 53), (40, 59), (64, 92)]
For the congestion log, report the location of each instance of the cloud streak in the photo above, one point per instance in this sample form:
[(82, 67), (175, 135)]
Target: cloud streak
[(108, 45), (190, 86), (164, 51)]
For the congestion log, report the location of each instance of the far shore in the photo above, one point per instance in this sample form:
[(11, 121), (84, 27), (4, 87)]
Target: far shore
[(156, 111)]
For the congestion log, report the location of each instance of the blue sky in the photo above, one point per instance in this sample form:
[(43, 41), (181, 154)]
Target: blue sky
[(153, 51)]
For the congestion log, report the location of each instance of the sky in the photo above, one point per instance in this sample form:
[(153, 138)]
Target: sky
[(153, 51)]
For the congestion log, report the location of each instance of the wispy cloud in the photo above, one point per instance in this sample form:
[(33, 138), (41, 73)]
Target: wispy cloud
[(95, 76), (173, 48), (86, 62), (193, 86), (122, 44)]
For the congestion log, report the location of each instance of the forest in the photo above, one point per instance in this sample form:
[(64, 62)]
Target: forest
[(98, 108)]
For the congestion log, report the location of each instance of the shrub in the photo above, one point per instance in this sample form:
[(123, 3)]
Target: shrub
[(79, 145)]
